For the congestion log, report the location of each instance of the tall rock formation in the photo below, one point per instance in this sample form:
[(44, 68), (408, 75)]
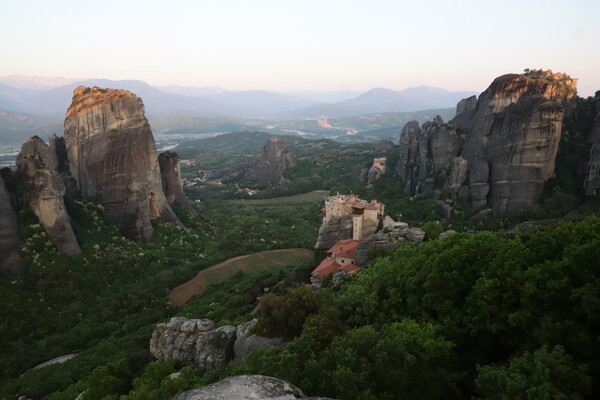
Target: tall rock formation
[(112, 156), (274, 159), (10, 261), (43, 190), (170, 171), (592, 179), (425, 152), (497, 151)]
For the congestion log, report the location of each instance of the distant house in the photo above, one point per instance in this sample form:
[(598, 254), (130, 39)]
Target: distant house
[(339, 258)]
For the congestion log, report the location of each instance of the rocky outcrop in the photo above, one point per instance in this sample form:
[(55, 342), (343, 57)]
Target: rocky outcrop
[(274, 159), (197, 341), (244, 387), (384, 148), (43, 190), (425, 153), (592, 179), (378, 169), (387, 240), (244, 341), (112, 156), (333, 229), (10, 260), (170, 171), (498, 151), (58, 149)]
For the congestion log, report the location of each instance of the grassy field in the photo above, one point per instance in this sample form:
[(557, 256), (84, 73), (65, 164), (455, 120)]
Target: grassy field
[(310, 197), (251, 263)]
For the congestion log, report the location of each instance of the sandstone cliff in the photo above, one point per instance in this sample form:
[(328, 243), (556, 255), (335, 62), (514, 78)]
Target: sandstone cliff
[(170, 171), (592, 179), (10, 260), (497, 151), (112, 156), (43, 190), (269, 167), (274, 159)]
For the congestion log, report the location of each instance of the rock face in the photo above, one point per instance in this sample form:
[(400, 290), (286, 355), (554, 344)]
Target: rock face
[(387, 240), (592, 179), (498, 151), (274, 159), (9, 235), (384, 148), (426, 152), (112, 156), (43, 190), (170, 171), (244, 342), (378, 168), (58, 149), (196, 341), (245, 387)]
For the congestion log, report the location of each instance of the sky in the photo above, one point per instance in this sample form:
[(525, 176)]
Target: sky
[(284, 45)]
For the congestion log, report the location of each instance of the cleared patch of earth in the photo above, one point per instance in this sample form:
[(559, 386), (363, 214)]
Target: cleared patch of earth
[(250, 263), (309, 197)]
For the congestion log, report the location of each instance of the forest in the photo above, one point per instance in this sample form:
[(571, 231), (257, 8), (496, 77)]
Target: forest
[(474, 315)]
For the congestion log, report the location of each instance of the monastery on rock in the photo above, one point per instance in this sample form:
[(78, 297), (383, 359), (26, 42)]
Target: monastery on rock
[(366, 217)]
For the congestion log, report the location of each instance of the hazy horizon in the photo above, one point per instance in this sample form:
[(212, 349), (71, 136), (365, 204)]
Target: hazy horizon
[(301, 46)]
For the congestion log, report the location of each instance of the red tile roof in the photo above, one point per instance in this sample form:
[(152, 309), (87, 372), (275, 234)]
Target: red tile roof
[(345, 248), (349, 268), (326, 267)]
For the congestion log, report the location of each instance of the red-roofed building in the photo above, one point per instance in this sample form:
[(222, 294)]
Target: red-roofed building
[(327, 266), (340, 257)]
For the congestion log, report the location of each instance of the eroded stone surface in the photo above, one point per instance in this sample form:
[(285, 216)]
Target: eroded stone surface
[(245, 387), (9, 236), (43, 190), (112, 156), (197, 341), (170, 170), (499, 150)]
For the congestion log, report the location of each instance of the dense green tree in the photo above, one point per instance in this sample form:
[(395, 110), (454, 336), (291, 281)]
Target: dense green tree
[(542, 375)]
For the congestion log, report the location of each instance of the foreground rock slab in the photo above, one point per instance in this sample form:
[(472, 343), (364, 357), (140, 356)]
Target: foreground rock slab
[(245, 387)]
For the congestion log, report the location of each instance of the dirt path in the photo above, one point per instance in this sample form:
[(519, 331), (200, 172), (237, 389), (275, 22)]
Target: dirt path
[(219, 272)]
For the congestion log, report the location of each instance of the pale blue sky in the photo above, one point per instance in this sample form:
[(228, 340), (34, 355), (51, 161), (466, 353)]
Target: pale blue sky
[(301, 45)]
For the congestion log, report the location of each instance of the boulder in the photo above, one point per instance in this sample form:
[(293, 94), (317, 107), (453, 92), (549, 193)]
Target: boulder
[(112, 157), (244, 387), (198, 342), (245, 342), (447, 233), (387, 240), (338, 278)]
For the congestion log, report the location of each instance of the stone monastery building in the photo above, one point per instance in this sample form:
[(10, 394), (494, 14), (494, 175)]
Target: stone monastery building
[(365, 215)]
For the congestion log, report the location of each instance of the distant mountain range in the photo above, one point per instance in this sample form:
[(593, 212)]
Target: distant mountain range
[(379, 100), (52, 97)]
